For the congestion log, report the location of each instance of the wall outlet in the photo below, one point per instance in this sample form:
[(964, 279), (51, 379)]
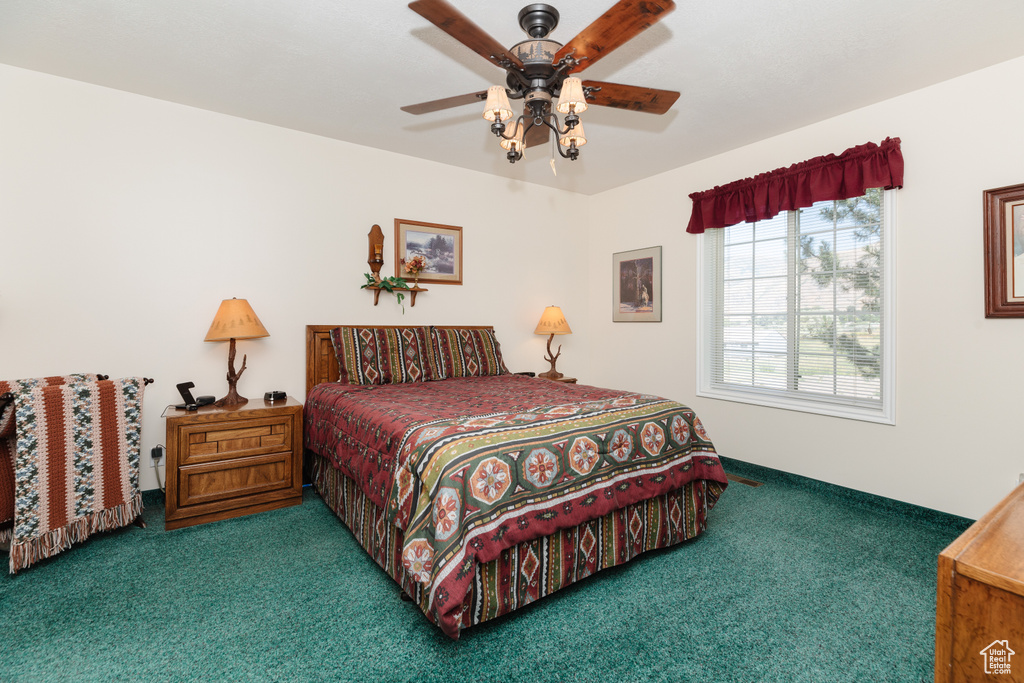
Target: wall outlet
[(1020, 478), (156, 454)]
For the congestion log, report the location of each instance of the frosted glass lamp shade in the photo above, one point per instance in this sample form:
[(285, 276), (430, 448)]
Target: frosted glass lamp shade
[(571, 97), (575, 135), (552, 322), (497, 107), (235, 319)]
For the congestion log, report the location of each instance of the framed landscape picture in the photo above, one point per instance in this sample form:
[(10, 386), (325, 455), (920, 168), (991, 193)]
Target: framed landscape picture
[(636, 286), (1004, 252), (440, 245)]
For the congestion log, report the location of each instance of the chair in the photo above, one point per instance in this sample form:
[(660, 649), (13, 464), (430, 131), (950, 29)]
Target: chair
[(69, 461)]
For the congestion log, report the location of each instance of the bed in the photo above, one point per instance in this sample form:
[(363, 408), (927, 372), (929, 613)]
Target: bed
[(480, 491)]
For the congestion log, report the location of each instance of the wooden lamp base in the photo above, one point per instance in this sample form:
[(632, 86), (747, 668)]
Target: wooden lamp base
[(551, 358), (232, 399)]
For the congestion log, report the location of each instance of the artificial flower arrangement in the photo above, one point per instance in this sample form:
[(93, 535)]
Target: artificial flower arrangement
[(416, 265)]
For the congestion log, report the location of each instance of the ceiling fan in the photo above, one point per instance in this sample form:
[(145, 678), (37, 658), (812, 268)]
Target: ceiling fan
[(540, 70)]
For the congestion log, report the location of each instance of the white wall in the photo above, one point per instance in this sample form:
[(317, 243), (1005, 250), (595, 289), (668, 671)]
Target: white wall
[(955, 446), (124, 221)]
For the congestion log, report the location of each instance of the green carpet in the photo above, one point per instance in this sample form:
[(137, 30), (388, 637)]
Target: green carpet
[(793, 581)]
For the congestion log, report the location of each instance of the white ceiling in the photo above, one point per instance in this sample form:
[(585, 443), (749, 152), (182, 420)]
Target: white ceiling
[(747, 69)]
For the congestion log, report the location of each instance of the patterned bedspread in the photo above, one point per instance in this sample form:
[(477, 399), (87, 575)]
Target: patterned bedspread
[(469, 467)]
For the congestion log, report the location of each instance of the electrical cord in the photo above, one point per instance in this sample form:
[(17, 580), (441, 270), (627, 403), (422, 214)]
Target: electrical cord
[(156, 466)]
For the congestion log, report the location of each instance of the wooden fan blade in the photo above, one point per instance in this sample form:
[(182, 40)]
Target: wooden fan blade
[(624, 21), (446, 103), (538, 135), (632, 97), (461, 28)]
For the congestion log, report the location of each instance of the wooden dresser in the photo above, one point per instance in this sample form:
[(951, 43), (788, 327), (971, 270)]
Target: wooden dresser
[(979, 622), (224, 463)]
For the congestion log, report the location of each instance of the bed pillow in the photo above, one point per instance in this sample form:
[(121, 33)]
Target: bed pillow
[(383, 355), (466, 352)]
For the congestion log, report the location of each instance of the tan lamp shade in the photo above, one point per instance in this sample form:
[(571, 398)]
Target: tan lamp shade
[(571, 97), (575, 135), (235, 319), (497, 106), (516, 143), (552, 322)]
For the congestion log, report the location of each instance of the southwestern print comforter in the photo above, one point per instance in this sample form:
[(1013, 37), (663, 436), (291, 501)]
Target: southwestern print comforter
[(470, 467)]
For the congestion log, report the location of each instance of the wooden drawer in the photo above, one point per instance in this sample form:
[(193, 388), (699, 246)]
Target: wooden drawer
[(224, 463), (234, 439), (235, 478)]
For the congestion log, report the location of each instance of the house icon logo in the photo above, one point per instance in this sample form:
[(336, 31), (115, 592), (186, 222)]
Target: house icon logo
[(997, 657)]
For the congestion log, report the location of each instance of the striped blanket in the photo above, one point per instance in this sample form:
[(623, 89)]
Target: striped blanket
[(75, 450), (8, 440), (468, 468)]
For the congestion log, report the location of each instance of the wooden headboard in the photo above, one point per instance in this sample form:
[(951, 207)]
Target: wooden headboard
[(321, 363)]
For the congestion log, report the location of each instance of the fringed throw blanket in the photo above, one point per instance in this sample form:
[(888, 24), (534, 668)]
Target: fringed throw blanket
[(76, 464), (8, 441)]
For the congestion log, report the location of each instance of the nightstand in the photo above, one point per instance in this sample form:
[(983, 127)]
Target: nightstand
[(229, 462)]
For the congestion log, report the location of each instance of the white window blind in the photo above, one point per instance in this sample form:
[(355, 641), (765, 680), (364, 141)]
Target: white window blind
[(797, 310)]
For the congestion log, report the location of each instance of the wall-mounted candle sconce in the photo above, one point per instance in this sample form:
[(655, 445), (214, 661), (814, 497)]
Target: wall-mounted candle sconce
[(376, 257)]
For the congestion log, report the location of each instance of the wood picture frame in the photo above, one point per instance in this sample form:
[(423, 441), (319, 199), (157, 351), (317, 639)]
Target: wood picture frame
[(636, 286), (440, 244), (1004, 252)]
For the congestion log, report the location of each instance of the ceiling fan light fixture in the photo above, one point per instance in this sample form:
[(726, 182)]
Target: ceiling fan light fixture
[(497, 107), (572, 98), (540, 69), (515, 144), (574, 135)]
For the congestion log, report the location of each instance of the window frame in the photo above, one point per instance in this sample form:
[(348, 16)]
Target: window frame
[(883, 413)]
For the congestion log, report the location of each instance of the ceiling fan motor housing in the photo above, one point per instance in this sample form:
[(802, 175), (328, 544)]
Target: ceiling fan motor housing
[(538, 19), (536, 55)]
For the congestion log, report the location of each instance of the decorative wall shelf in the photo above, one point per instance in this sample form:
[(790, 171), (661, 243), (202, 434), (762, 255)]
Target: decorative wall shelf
[(413, 291), (375, 259)]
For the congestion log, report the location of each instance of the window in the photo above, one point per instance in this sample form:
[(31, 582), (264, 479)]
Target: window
[(797, 310)]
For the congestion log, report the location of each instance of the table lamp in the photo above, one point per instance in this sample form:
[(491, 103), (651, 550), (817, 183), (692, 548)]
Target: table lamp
[(235, 319), (552, 322)]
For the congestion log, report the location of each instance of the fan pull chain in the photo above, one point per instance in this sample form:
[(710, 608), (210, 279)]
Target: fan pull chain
[(551, 161)]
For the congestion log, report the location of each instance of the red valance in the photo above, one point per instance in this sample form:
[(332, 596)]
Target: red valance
[(784, 189)]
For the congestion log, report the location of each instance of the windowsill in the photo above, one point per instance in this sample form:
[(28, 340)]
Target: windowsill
[(863, 414)]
